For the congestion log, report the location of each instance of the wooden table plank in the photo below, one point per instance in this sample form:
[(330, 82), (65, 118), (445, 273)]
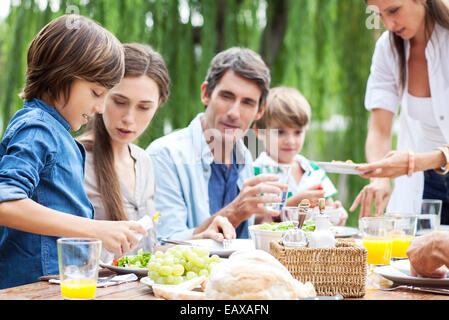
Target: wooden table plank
[(373, 293), (34, 291), (136, 290)]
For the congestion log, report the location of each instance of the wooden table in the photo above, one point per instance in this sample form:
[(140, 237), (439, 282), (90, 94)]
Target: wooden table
[(136, 290)]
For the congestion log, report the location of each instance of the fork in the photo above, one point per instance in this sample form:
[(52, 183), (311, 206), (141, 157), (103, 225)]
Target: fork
[(409, 287), (422, 289), (226, 243)]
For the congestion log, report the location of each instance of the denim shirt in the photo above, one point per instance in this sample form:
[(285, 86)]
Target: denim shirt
[(39, 160), (182, 168)]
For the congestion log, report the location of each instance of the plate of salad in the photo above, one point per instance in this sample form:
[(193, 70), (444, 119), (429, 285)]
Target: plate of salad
[(136, 264)]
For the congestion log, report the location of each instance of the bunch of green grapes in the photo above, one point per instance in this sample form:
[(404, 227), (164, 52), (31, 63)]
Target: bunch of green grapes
[(180, 263)]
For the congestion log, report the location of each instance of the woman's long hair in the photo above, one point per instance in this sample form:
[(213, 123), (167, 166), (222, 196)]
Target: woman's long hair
[(437, 11), (139, 60)]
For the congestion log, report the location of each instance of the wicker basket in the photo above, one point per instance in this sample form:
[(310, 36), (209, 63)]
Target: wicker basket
[(340, 270)]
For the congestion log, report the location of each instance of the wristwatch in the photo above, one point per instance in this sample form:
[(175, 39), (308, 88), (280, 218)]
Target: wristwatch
[(444, 170)]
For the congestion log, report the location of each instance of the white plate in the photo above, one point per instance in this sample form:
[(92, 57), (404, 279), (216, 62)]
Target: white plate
[(399, 272), (337, 167), (344, 232), (124, 270), (148, 281), (215, 247)]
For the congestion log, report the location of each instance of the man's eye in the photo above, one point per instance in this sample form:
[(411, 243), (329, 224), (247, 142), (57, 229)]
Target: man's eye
[(95, 94), (393, 11), (249, 103)]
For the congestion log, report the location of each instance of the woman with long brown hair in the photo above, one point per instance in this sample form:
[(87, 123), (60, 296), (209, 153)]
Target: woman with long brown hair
[(119, 175), (410, 69)]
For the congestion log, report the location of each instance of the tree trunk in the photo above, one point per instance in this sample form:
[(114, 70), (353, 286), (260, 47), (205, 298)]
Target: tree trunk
[(220, 26), (273, 35)]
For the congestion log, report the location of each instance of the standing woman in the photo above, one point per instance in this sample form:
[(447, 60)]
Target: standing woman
[(410, 68), (119, 175)]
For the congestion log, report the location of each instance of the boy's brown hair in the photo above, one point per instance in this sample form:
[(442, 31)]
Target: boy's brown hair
[(286, 107), (68, 48)]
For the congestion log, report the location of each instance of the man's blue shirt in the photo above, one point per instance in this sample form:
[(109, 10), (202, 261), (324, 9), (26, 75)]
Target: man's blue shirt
[(182, 168), (223, 189)]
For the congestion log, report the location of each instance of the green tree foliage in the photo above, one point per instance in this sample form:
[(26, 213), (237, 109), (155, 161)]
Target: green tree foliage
[(321, 47)]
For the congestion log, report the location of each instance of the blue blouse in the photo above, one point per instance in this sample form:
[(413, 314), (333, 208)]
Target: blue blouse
[(40, 160)]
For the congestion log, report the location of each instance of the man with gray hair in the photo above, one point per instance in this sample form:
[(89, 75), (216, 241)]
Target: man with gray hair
[(205, 170)]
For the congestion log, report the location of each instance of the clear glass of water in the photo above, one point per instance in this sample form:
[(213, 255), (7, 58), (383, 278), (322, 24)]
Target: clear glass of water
[(430, 217), (283, 171)]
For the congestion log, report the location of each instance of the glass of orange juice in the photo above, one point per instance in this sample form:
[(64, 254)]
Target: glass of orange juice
[(377, 238), (78, 267), (404, 232)]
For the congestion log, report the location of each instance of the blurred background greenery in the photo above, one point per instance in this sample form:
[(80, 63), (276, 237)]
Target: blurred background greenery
[(321, 47)]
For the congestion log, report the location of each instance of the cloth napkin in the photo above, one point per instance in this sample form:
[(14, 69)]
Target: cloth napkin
[(108, 281)]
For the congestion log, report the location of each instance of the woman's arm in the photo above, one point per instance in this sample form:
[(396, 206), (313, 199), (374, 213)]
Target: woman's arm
[(396, 164), (378, 141), (378, 144), (28, 216)]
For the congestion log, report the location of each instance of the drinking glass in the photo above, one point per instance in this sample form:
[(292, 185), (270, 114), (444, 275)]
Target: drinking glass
[(404, 232), (283, 171), (430, 216), (293, 214), (377, 239), (333, 213), (78, 260)]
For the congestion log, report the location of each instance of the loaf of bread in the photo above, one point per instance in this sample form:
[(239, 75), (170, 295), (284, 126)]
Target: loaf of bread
[(254, 275)]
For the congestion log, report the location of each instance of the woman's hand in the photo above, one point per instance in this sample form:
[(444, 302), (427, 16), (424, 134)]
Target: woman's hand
[(377, 191), (219, 229), (393, 165)]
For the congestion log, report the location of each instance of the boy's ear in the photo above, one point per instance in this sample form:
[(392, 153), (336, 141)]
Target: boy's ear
[(261, 111)]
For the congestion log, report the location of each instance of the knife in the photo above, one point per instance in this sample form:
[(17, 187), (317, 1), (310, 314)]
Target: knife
[(225, 244), (180, 242), (46, 278), (428, 289)]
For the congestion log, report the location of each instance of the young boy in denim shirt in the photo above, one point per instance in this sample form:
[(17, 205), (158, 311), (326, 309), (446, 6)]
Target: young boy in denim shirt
[(71, 65)]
